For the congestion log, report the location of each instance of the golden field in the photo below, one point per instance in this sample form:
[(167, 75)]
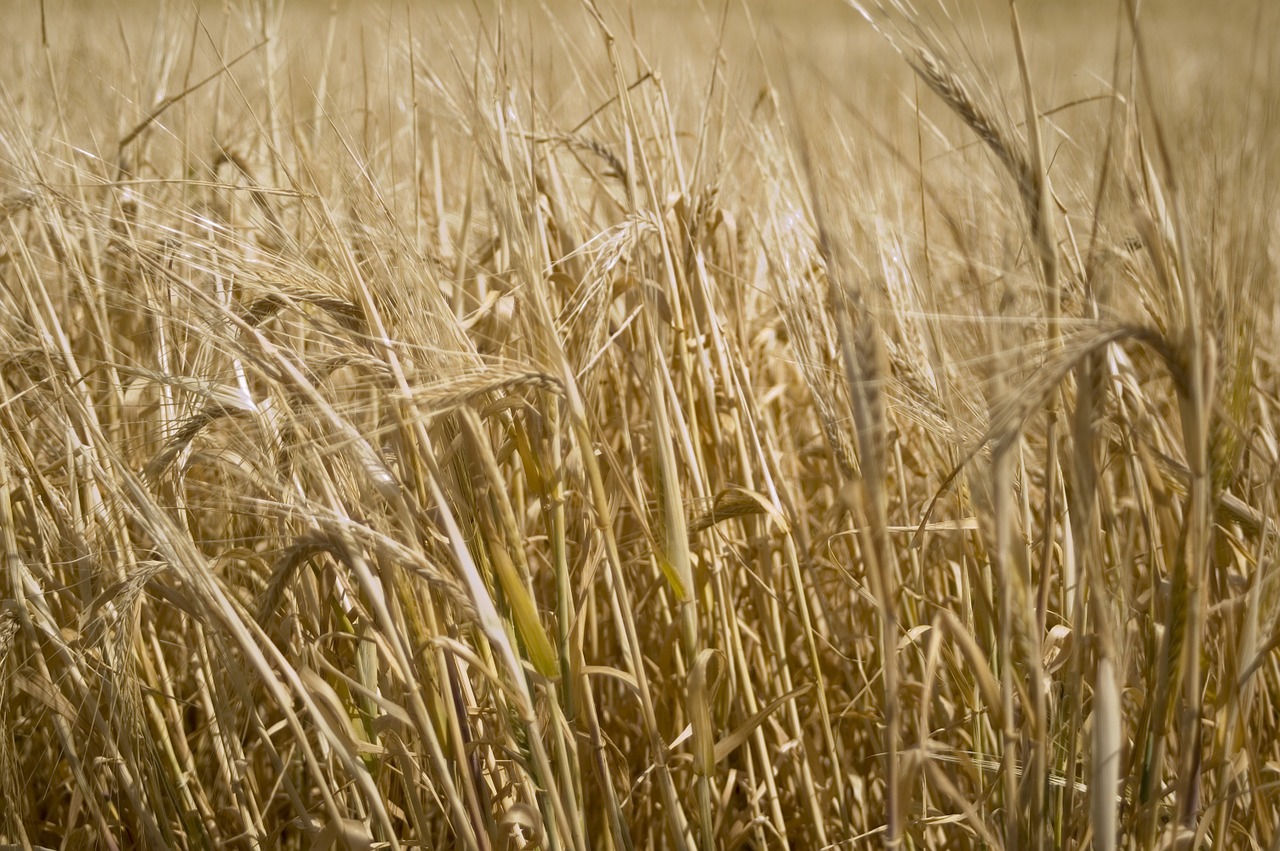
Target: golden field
[(744, 425)]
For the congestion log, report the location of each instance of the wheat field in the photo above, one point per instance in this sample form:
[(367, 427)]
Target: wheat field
[(549, 425)]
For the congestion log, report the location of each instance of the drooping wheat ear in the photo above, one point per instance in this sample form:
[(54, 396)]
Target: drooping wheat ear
[(212, 411), (345, 312), (112, 608), (584, 143), (726, 505), (1011, 152), (811, 337)]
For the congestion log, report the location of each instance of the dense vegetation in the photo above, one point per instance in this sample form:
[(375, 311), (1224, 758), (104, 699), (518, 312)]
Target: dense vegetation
[(734, 426)]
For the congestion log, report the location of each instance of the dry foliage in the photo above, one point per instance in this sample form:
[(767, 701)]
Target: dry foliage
[(649, 427)]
